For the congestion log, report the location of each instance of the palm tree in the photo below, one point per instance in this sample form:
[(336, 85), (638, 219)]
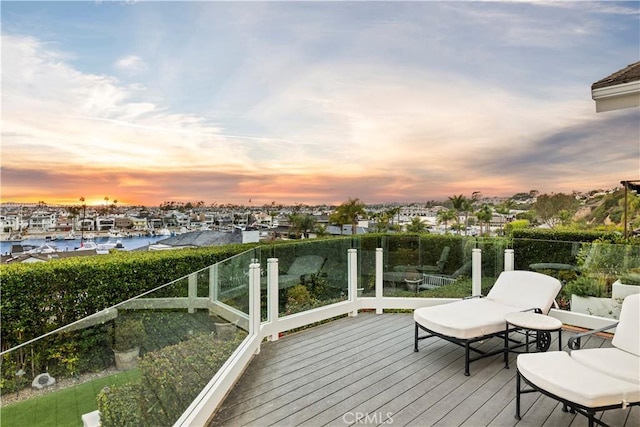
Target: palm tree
[(444, 216), (348, 213), (84, 214), (467, 207), (301, 224), (458, 203), (484, 215), (416, 226)]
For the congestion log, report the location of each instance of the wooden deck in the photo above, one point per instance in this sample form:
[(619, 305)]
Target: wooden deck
[(365, 367)]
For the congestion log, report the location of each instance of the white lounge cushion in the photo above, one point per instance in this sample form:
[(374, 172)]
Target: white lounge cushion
[(611, 361), (561, 375), (627, 336), (464, 319), (525, 289)]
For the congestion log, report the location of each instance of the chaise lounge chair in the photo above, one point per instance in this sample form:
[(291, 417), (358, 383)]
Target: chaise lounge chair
[(302, 269), (589, 380), (475, 319)]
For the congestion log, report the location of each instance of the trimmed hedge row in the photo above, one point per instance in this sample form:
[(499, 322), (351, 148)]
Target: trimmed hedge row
[(558, 246), (170, 379), (39, 298)]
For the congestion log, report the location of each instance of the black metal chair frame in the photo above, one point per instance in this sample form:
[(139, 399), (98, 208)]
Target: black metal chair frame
[(467, 343), (567, 405)]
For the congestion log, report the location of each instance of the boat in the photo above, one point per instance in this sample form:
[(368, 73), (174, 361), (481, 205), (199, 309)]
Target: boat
[(163, 232), (115, 233), (70, 236), (87, 245), (107, 246)]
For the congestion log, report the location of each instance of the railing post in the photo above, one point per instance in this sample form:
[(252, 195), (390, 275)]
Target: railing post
[(352, 277), (254, 300), (214, 286), (272, 295), (508, 260), (476, 272), (379, 275), (192, 293)]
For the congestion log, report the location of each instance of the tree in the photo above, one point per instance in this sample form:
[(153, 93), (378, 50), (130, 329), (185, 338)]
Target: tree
[(348, 213), (459, 204), (444, 216), (484, 215), (549, 208), (301, 224), (416, 225), (504, 209), (84, 214)]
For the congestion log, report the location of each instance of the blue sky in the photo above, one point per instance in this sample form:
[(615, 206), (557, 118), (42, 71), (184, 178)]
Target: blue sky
[(312, 102)]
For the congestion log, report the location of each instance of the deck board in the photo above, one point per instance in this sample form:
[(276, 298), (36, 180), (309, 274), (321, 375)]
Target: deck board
[(325, 375)]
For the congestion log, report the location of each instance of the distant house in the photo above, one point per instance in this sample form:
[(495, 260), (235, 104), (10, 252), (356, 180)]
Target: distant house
[(618, 90), (199, 239)]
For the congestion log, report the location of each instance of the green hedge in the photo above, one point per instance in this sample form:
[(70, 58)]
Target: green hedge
[(559, 246), (39, 298), (170, 379)]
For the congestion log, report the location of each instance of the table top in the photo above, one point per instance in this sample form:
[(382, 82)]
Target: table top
[(531, 320)]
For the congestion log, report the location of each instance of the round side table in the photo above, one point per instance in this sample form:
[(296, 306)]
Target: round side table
[(529, 321)]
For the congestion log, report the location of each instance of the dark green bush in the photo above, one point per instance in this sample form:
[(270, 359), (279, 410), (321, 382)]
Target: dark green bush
[(558, 246), (39, 298), (172, 377), (586, 286), (120, 406)]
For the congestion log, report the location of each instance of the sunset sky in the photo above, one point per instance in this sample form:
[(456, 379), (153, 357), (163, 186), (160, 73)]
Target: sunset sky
[(311, 102)]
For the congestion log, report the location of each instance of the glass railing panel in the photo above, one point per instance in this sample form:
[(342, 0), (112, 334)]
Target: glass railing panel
[(367, 247), (141, 362), (593, 273), (230, 280), (493, 250), (401, 255), (427, 265), (606, 274), (311, 274)]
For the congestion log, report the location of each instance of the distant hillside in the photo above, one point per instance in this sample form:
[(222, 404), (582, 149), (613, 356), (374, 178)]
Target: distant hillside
[(608, 209)]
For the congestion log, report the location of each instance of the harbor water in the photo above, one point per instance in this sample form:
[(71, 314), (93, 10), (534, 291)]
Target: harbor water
[(129, 243)]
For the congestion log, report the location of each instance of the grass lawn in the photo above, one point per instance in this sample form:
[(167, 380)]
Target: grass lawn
[(64, 407)]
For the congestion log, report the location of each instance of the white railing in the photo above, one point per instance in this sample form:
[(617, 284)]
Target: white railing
[(213, 394)]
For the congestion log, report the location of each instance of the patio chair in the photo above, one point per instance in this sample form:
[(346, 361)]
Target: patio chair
[(472, 320), (302, 269), (589, 380), (401, 273)]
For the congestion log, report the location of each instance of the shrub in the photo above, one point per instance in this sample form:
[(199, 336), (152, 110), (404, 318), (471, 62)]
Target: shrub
[(631, 278), (586, 286), (172, 377), (128, 333), (120, 406)]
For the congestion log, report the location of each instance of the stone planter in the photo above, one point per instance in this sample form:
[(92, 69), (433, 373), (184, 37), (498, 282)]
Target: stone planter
[(224, 330), (619, 291), (602, 307), (126, 360)]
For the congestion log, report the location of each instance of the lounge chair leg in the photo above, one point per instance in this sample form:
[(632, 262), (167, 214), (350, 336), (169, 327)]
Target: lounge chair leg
[(466, 359), (565, 408), (506, 347), (415, 345), (517, 395)]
